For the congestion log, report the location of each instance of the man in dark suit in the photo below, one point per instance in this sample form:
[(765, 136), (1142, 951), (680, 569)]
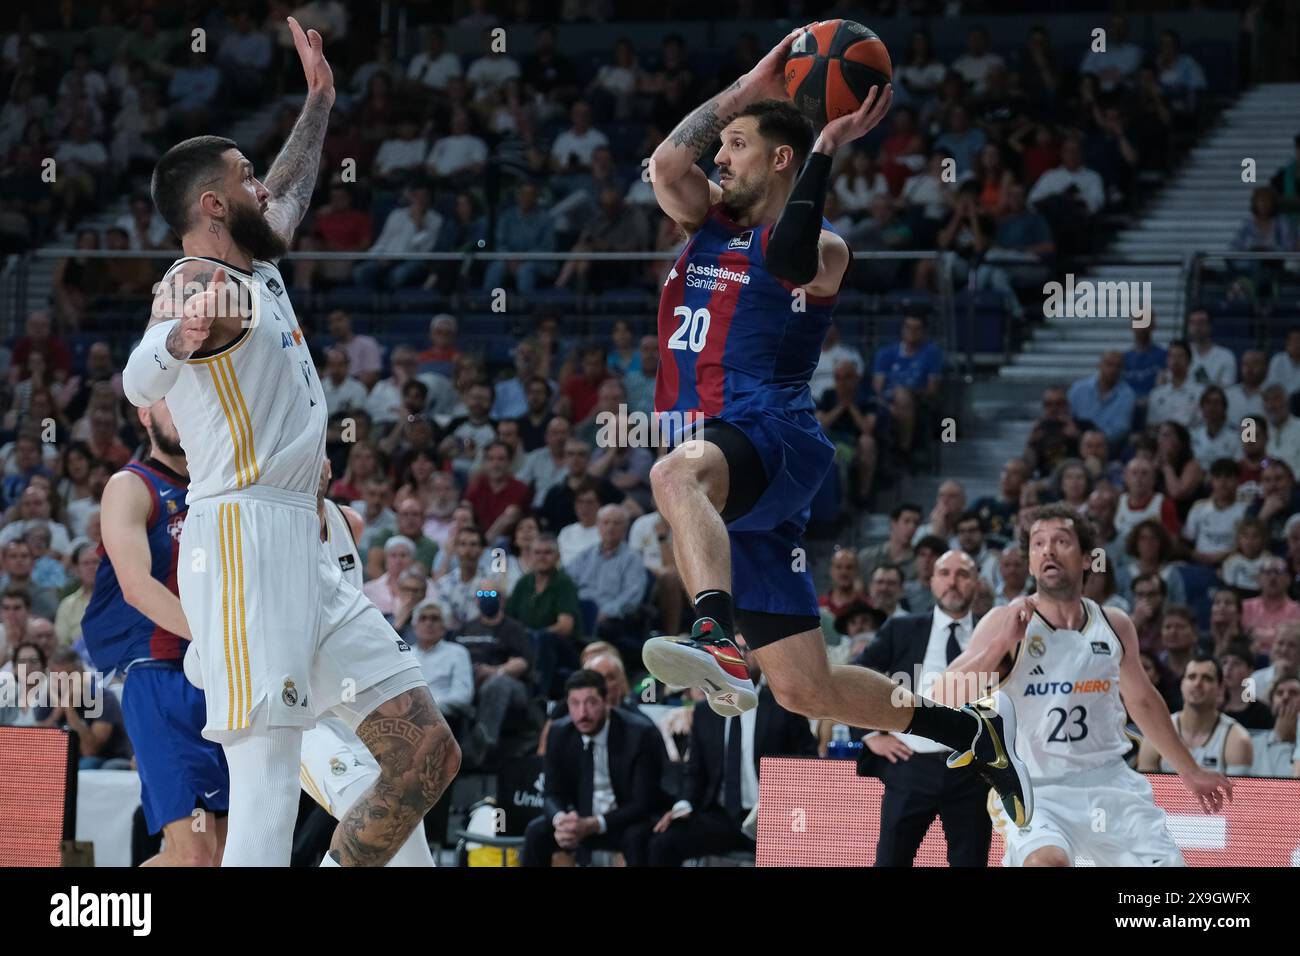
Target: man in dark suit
[(723, 776), (602, 767), (918, 784)]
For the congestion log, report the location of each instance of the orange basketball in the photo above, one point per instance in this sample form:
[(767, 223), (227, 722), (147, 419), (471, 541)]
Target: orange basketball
[(832, 67)]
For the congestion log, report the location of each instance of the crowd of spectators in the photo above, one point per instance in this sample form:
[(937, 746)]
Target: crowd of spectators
[(506, 538)]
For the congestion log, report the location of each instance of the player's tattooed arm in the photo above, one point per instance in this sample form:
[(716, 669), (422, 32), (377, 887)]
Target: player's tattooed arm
[(292, 177)]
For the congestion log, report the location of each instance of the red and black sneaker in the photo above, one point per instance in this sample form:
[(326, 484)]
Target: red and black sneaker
[(709, 660)]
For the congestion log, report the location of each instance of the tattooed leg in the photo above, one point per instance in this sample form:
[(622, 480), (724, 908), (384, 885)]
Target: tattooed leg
[(418, 758)]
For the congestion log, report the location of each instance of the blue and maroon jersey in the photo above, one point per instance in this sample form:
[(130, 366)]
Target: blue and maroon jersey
[(116, 633), (729, 330)]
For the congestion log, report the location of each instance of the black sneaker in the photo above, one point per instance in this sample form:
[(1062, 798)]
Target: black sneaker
[(709, 660), (993, 756)]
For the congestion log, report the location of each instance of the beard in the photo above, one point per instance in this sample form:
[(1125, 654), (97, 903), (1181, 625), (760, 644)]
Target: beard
[(741, 197), (252, 233), (165, 443)]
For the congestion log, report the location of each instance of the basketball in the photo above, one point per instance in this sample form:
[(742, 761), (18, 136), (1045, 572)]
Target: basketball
[(832, 67)]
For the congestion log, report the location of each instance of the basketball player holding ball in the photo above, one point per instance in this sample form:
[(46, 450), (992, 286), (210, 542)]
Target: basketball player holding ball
[(741, 323)]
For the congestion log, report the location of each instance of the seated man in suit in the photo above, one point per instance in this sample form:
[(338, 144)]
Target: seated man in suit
[(723, 775), (602, 771), (918, 783)]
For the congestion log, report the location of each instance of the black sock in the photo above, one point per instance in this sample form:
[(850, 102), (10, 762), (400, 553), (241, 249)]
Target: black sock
[(717, 605), (945, 725)]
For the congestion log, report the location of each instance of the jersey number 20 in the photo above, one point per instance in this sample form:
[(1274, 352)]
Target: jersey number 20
[(1077, 718), (693, 330)]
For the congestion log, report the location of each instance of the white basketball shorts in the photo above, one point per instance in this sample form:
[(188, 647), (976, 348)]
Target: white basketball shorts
[(1107, 816)]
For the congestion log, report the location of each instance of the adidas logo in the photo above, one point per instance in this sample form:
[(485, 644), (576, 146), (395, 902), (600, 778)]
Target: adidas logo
[(1038, 671)]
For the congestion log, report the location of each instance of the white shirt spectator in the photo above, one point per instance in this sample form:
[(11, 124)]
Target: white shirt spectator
[(1091, 188), (93, 83), (397, 154), (60, 540), (1282, 371), (855, 193), (928, 192), (1126, 517), (1273, 757), (644, 540), (400, 233), (823, 376), (975, 70), (1184, 76), (158, 230), (1213, 529), (458, 597), (1239, 571), (542, 472), (580, 145), (91, 153), (1124, 57), (1175, 403), (450, 674), (1218, 366), (574, 539), (1207, 448), (348, 395), (1241, 405), (617, 80), (1284, 442), (488, 72), (434, 72), (450, 154)]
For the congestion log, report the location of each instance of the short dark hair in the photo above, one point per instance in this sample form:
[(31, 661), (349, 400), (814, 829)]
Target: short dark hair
[(1179, 344), (475, 531), (1151, 576), (1240, 650), (781, 124), (970, 514), (889, 567), (1201, 657), (1082, 527), (905, 506), (1224, 468), (183, 167), (66, 655), (581, 679), (1277, 684), (20, 594), (932, 542), (1211, 390), (1181, 610), (40, 652)]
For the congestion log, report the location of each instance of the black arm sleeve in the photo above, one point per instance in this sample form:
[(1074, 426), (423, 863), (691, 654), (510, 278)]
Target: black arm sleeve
[(792, 247)]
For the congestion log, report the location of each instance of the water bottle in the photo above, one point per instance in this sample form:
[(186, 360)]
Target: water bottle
[(838, 748)]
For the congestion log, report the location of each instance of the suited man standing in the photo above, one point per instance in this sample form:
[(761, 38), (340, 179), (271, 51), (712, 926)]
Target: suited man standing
[(918, 783), (722, 775), (602, 770)]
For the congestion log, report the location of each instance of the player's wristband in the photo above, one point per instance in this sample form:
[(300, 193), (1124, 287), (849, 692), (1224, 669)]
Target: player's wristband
[(151, 371), (792, 252)]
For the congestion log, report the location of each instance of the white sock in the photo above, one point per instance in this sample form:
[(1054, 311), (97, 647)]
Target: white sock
[(263, 796), (328, 860)]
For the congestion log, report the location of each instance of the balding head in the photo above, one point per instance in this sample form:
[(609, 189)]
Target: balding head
[(610, 667), (953, 582)]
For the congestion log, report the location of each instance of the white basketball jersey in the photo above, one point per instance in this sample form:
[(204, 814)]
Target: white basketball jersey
[(339, 544), (252, 412), (1065, 687), (1213, 754)]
